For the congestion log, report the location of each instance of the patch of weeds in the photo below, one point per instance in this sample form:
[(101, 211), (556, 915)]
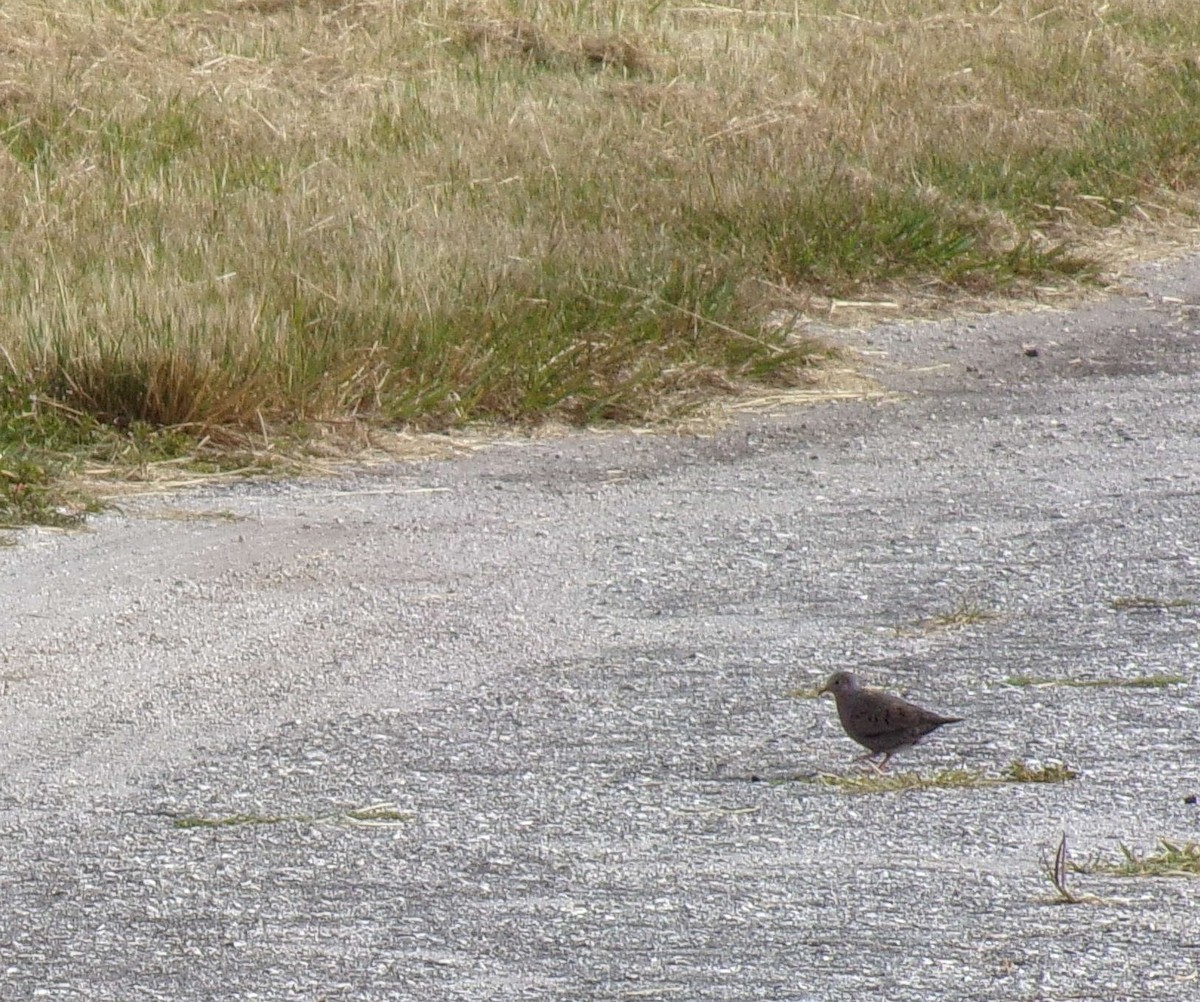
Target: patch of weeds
[(526, 43), (901, 782), (947, 779), (1147, 603), (964, 612), (42, 444), (1025, 772), (59, 463), (1141, 682), (230, 821), (1056, 871), (32, 494), (1172, 859), (152, 139), (384, 815), (716, 812), (63, 477), (187, 515), (842, 234), (138, 444), (381, 815)]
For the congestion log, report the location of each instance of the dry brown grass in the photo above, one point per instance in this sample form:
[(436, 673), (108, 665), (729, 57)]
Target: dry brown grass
[(238, 212)]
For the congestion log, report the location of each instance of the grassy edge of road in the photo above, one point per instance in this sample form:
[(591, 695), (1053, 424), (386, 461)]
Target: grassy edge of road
[(233, 225)]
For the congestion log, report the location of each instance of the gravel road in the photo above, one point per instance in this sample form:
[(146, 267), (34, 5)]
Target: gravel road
[(567, 670)]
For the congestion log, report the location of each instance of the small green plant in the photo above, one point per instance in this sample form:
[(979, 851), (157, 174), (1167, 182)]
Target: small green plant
[(1056, 873), (1052, 772), (230, 821), (1142, 682), (902, 782), (172, 514), (31, 493), (948, 779), (1145, 603), (964, 612), (381, 815), (1171, 859)]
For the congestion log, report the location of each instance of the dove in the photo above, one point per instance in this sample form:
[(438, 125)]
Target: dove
[(881, 723)]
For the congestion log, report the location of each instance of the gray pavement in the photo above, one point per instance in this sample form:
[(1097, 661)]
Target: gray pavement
[(565, 666)]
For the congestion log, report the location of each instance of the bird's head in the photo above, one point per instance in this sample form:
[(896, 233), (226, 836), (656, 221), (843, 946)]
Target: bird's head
[(841, 683)]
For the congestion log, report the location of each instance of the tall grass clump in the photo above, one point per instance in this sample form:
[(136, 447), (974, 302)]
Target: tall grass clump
[(236, 212)]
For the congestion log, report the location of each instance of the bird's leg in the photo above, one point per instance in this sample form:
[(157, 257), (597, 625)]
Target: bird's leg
[(869, 758)]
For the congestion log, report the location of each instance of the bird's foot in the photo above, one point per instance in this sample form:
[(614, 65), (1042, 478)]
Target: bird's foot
[(869, 759)]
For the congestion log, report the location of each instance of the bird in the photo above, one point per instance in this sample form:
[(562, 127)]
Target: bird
[(881, 723)]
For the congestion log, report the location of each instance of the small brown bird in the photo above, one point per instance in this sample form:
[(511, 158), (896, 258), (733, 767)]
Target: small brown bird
[(881, 723)]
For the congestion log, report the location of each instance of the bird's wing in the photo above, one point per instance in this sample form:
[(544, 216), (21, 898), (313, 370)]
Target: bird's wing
[(891, 713), (878, 714)]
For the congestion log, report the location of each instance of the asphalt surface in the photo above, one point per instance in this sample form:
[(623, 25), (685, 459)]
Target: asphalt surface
[(566, 667)]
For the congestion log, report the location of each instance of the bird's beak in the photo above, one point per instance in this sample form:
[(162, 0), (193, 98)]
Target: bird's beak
[(824, 689)]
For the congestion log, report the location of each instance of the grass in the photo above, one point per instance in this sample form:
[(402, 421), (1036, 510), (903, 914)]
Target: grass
[(1171, 859), (1146, 603), (374, 815), (964, 612), (227, 218), (189, 515), (1052, 772), (32, 494), (946, 779), (54, 471), (230, 821), (1141, 682), (1056, 871), (902, 782)]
